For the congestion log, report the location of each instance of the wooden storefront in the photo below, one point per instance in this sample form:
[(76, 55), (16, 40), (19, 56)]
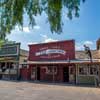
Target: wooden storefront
[(9, 61), (88, 73), (74, 72), (56, 62)]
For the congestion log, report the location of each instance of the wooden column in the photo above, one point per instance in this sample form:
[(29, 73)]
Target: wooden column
[(5, 70), (99, 73), (53, 74), (76, 66), (31, 73), (9, 69), (36, 73), (17, 65), (0, 66)]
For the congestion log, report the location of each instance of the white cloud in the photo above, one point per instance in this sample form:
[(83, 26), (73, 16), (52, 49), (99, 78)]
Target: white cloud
[(89, 43), (18, 30), (44, 36), (79, 46), (37, 27), (26, 29), (49, 40), (46, 39), (32, 43)]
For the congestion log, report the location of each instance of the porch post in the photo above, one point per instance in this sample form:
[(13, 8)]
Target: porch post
[(97, 75), (17, 65), (76, 72), (0, 65), (53, 74), (6, 70), (99, 72), (9, 69), (36, 73)]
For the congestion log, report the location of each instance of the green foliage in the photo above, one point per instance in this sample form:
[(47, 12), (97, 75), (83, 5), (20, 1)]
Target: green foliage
[(5, 41), (11, 13), (1, 42)]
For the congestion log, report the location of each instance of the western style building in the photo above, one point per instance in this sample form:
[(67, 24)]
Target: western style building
[(10, 58), (59, 62)]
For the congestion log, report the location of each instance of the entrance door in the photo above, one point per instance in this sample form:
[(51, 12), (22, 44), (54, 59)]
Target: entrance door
[(66, 74), (38, 73)]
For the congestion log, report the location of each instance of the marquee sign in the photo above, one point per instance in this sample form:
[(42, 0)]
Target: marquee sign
[(50, 51), (10, 50), (7, 58), (62, 50)]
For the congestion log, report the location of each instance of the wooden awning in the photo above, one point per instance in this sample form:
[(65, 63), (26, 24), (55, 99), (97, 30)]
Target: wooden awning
[(62, 62)]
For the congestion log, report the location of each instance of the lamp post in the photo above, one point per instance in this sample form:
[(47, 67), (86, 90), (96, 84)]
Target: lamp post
[(88, 52)]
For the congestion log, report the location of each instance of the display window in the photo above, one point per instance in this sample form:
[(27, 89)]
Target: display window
[(51, 70)]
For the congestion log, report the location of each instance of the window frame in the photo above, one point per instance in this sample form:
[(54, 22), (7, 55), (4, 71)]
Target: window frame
[(51, 68)]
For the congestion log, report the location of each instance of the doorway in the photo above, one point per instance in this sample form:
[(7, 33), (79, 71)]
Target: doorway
[(66, 74), (38, 73)]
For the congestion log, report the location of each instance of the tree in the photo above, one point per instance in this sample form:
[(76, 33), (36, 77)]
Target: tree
[(5, 41), (11, 13)]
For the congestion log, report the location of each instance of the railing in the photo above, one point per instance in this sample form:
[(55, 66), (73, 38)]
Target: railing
[(7, 71)]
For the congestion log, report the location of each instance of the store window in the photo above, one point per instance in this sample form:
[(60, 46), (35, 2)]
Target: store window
[(33, 73), (71, 69), (24, 65), (83, 70), (93, 71), (51, 70), (88, 70)]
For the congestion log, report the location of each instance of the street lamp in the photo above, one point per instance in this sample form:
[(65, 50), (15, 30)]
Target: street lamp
[(88, 52)]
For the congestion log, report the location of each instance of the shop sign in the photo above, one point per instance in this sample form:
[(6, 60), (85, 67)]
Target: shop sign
[(50, 51), (9, 50), (7, 58)]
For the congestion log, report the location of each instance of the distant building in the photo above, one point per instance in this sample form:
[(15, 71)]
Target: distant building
[(98, 44), (10, 57), (95, 53), (81, 54), (84, 68)]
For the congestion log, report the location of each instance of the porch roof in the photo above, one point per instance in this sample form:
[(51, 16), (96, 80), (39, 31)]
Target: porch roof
[(76, 61)]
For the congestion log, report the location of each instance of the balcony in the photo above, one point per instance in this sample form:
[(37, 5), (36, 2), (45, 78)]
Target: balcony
[(12, 71)]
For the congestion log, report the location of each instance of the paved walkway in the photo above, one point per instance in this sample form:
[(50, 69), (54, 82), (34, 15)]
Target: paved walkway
[(33, 91)]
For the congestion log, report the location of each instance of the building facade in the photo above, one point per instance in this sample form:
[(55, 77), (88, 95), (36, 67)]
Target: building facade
[(10, 57), (46, 62), (88, 72), (58, 62)]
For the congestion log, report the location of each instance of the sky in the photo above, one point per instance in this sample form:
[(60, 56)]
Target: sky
[(84, 30)]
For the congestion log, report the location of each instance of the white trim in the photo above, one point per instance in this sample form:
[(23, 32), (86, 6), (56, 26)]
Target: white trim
[(60, 62)]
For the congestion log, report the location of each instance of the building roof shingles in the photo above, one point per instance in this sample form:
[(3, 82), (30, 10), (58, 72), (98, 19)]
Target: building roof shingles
[(82, 55)]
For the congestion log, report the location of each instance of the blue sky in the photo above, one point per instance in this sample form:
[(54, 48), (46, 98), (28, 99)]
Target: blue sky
[(85, 29)]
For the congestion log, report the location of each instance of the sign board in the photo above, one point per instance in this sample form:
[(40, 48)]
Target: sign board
[(50, 51), (10, 50), (62, 50)]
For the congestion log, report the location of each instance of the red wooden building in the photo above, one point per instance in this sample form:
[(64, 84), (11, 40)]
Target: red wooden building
[(56, 62), (51, 62)]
